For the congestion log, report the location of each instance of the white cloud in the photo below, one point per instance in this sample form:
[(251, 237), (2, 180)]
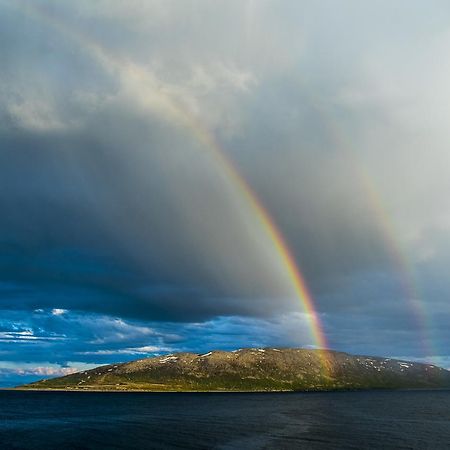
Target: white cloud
[(42, 371), (144, 350)]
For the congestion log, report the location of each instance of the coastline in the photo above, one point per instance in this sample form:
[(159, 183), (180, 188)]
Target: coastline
[(149, 391)]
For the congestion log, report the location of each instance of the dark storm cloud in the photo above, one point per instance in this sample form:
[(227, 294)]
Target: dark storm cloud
[(84, 229), (116, 191)]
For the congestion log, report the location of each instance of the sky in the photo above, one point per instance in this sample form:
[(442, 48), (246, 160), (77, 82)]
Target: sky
[(137, 137)]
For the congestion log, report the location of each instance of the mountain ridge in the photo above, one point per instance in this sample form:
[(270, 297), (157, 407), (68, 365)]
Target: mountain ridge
[(253, 369)]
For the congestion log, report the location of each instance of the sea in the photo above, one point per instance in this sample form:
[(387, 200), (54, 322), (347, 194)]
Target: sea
[(126, 420)]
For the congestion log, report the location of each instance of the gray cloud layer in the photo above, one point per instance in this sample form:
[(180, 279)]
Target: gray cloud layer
[(112, 205)]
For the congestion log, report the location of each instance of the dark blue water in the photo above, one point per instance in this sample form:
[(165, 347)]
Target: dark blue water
[(348, 420)]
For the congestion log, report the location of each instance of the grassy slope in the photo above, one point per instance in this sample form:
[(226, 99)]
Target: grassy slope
[(254, 370)]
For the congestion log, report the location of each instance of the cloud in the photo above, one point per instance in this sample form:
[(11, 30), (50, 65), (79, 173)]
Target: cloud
[(44, 371), (145, 350), (122, 232)]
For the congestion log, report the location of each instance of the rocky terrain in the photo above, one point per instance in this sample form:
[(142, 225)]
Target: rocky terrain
[(254, 369)]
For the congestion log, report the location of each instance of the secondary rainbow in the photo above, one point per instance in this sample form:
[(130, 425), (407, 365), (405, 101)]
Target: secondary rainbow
[(396, 252)]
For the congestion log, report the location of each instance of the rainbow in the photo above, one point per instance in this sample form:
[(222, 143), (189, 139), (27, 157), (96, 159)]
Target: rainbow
[(400, 261), (148, 93), (397, 254)]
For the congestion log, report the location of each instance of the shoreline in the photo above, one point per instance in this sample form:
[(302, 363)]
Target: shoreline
[(227, 391)]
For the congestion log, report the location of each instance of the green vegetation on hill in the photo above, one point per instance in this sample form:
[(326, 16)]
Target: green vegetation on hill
[(266, 369)]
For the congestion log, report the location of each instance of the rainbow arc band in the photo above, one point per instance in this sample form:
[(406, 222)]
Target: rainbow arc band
[(151, 95), (398, 255)]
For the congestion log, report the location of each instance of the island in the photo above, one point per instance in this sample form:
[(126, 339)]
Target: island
[(253, 370)]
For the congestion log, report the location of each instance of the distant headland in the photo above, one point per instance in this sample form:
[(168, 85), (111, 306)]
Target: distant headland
[(253, 370)]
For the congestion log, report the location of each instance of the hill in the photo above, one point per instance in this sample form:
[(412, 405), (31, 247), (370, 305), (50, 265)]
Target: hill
[(254, 369)]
